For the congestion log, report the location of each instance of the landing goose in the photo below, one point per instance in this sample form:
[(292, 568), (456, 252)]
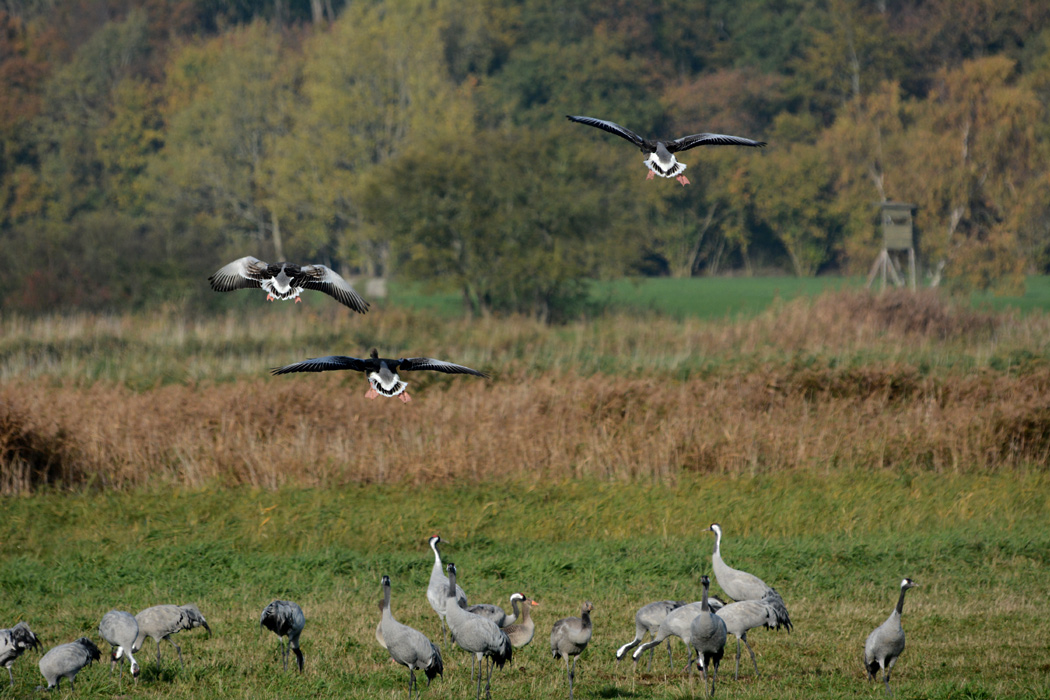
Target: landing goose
[(661, 160), (285, 281), (382, 372)]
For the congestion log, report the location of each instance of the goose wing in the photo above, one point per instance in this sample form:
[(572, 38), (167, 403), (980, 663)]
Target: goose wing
[(612, 128), (324, 364), (245, 273), (687, 142), (416, 363), (324, 279)]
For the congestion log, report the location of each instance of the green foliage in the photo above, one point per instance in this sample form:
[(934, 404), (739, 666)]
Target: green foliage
[(262, 127)]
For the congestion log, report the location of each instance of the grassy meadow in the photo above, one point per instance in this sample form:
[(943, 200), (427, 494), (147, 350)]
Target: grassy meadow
[(843, 441)]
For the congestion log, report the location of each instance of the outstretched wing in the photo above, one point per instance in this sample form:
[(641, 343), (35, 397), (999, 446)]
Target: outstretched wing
[(611, 127), (687, 142), (327, 280), (244, 273), (415, 363), (323, 364)]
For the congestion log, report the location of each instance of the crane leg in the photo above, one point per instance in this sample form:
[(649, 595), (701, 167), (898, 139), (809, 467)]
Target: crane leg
[(488, 681), (889, 690), (749, 651), (158, 654), (177, 648), (572, 674), (670, 657)]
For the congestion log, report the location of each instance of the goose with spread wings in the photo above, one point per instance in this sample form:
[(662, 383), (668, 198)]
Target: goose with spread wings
[(661, 160), (285, 281), (382, 372)]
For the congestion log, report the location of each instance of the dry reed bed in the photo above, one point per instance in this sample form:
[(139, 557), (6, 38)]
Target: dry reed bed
[(319, 430)]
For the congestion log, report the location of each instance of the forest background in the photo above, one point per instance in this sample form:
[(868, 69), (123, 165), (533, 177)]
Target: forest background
[(143, 143)]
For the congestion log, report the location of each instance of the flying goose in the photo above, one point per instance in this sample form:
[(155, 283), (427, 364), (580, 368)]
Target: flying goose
[(285, 281), (382, 372), (661, 160)]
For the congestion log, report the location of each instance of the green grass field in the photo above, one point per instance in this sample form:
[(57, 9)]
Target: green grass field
[(834, 544), (709, 297)]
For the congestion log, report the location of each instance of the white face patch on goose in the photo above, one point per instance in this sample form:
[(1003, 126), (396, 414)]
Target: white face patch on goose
[(392, 389)]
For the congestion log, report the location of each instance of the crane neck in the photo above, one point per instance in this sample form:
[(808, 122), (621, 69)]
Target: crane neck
[(437, 555), (718, 543), (900, 602), (386, 597), (514, 606), (451, 583), (704, 604)]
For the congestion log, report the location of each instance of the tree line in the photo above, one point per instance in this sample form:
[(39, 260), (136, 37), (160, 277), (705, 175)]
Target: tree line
[(145, 142)]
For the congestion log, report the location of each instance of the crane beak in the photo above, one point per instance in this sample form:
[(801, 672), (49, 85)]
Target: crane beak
[(207, 628)]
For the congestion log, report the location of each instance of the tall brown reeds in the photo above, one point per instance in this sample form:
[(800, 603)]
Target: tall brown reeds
[(845, 380)]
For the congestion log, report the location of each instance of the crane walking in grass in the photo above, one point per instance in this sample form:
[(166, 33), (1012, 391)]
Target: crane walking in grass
[(570, 636), (438, 588), (646, 622), (475, 634), (285, 619), (708, 637), (678, 623), (886, 643), (740, 585), (408, 646), (67, 660), (13, 643), (746, 615), (120, 629), (162, 621)]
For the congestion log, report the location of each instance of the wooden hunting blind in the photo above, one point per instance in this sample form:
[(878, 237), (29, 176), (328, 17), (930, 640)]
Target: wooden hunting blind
[(897, 235), (896, 226)]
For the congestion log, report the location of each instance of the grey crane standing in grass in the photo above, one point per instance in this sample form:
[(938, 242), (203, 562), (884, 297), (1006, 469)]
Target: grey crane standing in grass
[(438, 588), (886, 642), (120, 629), (14, 642), (678, 623), (497, 614), (475, 634), (570, 636), (746, 615), (740, 585), (520, 633), (285, 619), (66, 661), (708, 637), (408, 646), (646, 622), (162, 621)]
